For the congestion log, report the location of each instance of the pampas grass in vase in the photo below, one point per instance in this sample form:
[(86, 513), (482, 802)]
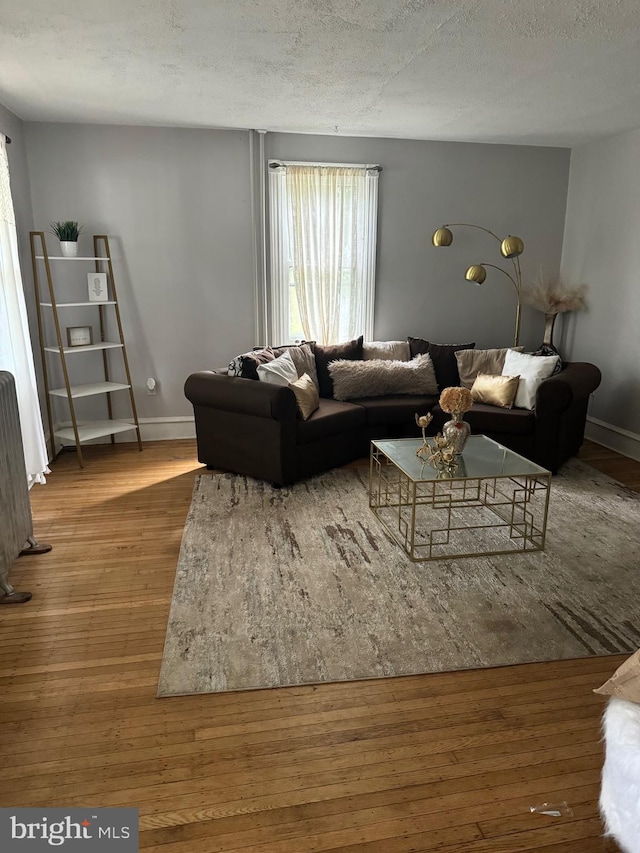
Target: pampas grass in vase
[(552, 297)]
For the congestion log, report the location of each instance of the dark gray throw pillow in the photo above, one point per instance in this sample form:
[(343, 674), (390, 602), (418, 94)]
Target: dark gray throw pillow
[(443, 357), (326, 353)]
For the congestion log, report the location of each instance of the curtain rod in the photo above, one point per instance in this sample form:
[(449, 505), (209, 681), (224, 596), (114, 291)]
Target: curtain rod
[(277, 164)]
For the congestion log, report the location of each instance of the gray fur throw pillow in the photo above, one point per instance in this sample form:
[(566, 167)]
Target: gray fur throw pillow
[(377, 377)]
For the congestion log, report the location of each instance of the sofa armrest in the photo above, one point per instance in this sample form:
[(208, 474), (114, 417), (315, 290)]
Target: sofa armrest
[(561, 413), (575, 382), (241, 396)]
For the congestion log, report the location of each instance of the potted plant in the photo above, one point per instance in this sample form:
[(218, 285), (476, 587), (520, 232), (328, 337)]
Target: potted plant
[(67, 233)]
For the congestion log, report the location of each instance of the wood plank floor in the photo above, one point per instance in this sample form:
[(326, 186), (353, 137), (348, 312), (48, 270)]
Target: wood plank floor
[(449, 762)]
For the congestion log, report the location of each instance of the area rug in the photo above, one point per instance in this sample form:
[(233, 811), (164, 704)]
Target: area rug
[(303, 585)]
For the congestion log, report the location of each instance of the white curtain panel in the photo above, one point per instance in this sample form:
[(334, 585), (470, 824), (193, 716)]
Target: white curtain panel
[(15, 343), (323, 235)]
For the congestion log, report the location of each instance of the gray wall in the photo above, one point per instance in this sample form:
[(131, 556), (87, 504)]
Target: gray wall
[(602, 249), (422, 291), (177, 204)]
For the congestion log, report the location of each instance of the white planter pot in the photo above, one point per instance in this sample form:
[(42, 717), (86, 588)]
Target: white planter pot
[(69, 248)]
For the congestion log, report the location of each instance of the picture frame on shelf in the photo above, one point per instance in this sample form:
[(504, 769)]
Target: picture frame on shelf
[(97, 284), (79, 336)]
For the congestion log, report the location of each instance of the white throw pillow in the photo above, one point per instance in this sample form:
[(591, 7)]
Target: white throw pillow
[(280, 371), (532, 370), (386, 350)]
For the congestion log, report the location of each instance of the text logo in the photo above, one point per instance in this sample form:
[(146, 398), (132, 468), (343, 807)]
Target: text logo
[(86, 830)]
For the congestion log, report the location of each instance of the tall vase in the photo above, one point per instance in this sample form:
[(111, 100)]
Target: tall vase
[(456, 431), (549, 323)]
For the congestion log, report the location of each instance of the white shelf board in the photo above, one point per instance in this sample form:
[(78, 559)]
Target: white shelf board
[(74, 304), (90, 389), (93, 429), (87, 348), (62, 258)]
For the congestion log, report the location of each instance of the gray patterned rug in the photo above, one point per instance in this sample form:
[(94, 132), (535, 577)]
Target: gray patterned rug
[(302, 585)]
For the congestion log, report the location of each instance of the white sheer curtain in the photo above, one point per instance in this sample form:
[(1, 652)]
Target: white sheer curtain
[(323, 247), (15, 344)]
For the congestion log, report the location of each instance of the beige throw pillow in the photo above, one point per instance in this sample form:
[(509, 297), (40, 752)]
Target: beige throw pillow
[(471, 362), (386, 350), (307, 397), (495, 390)]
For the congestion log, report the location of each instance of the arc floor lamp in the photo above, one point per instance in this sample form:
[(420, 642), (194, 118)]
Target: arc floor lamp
[(510, 248)]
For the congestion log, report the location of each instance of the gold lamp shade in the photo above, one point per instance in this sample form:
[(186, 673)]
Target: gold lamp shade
[(511, 247), (476, 273), (442, 237)]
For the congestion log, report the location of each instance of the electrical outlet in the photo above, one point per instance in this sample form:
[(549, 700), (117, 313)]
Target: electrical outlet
[(151, 386)]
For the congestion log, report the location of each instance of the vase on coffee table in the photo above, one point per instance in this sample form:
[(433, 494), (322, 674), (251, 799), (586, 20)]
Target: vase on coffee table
[(457, 432)]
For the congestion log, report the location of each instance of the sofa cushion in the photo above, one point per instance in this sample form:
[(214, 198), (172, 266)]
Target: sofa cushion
[(326, 353), (280, 371), (443, 358), (387, 350), (378, 377), (307, 397), (303, 358), (471, 362), (495, 390), (483, 418), (331, 418), (246, 365), (532, 370), (396, 410)]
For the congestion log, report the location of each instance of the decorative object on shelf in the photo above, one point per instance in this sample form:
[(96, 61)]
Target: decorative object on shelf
[(68, 233), (423, 422), (79, 336), (97, 284), (510, 247), (456, 401), (551, 297)]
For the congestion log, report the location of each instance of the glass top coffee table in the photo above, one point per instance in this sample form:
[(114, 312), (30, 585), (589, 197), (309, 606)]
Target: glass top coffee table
[(495, 502)]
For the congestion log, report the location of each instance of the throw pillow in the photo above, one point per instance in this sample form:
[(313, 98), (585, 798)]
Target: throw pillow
[(495, 390), (326, 353), (532, 370), (387, 350), (306, 393), (471, 362), (303, 358), (280, 371), (443, 358), (378, 377), (246, 365)]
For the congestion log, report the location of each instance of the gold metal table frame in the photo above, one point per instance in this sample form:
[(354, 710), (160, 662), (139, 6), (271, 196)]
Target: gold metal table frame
[(496, 502)]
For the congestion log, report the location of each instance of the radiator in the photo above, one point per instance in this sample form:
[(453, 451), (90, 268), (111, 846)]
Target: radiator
[(16, 526)]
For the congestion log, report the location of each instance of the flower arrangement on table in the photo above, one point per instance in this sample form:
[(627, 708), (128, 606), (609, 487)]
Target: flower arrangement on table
[(456, 401)]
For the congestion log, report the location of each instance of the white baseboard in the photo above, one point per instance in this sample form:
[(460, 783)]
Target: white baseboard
[(615, 438), (164, 429)]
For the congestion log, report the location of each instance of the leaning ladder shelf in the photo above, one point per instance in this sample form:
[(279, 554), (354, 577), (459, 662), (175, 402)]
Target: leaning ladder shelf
[(78, 432)]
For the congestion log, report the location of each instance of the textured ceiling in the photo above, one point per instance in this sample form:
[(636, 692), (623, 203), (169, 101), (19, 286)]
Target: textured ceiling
[(547, 72)]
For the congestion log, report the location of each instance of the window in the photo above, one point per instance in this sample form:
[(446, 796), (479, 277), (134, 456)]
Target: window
[(323, 222)]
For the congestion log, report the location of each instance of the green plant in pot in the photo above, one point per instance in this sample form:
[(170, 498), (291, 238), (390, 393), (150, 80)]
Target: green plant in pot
[(67, 233)]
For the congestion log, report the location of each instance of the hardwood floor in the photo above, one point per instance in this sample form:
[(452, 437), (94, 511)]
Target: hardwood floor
[(449, 761)]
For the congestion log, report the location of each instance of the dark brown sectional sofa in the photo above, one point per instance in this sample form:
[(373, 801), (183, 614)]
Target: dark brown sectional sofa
[(251, 427)]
